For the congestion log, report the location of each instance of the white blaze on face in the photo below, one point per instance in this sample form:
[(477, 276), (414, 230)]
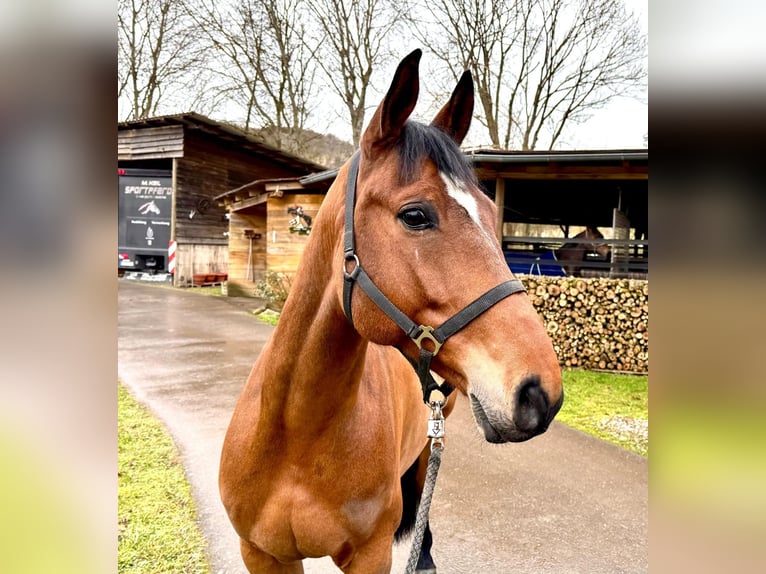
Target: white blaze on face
[(464, 199), (467, 202)]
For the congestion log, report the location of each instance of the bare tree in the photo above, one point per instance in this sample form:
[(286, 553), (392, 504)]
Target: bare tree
[(263, 64), (538, 65), (156, 54), (356, 40)]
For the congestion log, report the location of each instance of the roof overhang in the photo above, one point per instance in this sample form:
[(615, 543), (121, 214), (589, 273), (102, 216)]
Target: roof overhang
[(225, 132), (260, 190), (586, 164)]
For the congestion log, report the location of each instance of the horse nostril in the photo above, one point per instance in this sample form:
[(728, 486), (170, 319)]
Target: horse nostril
[(531, 412)]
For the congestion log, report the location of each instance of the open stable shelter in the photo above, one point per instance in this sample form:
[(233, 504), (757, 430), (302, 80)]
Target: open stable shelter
[(266, 233), (605, 189), (565, 188), (204, 159)]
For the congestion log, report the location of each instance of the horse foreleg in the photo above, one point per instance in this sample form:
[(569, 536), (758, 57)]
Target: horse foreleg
[(425, 561), (374, 557), (258, 561)]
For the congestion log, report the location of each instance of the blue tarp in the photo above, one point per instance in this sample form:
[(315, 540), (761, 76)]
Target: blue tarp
[(534, 263)]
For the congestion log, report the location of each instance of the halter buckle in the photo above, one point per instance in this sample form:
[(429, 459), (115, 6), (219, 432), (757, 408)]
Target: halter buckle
[(426, 332)]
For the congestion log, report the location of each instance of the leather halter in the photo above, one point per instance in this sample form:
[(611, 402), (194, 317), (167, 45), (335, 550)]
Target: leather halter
[(418, 333)]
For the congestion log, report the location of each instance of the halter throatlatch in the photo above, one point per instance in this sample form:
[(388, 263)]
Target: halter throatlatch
[(423, 336)]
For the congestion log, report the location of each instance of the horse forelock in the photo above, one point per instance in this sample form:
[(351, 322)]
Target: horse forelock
[(419, 142)]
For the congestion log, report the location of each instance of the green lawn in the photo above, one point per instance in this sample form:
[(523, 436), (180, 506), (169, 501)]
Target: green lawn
[(214, 290), (610, 406), (157, 528)]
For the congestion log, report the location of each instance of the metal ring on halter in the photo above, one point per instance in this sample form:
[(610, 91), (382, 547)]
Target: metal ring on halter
[(357, 266), (426, 332)]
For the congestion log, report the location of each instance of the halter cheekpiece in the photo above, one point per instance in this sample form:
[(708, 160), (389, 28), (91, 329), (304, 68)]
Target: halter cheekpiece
[(421, 335)]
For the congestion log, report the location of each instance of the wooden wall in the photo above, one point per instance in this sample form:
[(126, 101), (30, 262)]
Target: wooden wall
[(284, 249), (210, 167), (241, 282), (194, 258), (150, 143)]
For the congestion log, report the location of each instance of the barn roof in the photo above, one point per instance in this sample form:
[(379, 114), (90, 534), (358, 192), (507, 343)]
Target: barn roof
[(259, 190), (561, 164), (563, 156), (226, 132)]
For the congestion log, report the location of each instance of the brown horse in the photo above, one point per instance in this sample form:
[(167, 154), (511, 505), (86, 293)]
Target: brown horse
[(576, 252), (327, 435)]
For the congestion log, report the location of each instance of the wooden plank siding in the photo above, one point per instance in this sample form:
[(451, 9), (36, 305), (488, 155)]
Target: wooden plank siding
[(566, 172), (150, 143), (208, 168), (243, 278), (211, 167), (194, 258), (284, 249)]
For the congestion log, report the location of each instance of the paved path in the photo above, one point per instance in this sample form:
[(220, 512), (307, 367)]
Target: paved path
[(561, 503)]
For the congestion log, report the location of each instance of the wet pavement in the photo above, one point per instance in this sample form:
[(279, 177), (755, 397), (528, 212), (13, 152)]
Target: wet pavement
[(561, 503)]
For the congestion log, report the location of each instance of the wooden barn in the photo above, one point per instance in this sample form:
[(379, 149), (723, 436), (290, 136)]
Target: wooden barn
[(270, 222), (202, 159)]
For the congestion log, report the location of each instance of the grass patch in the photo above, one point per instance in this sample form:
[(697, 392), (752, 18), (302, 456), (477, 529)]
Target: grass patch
[(610, 406), (157, 528), (268, 316), (212, 290)]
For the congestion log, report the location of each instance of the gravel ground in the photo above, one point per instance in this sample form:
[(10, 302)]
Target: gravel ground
[(635, 431)]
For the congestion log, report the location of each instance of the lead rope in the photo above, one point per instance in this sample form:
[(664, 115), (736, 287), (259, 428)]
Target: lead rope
[(436, 434)]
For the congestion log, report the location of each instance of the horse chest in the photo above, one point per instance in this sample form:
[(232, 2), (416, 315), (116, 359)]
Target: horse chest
[(312, 517)]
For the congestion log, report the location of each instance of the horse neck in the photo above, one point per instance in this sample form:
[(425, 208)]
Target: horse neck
[(315, 358)]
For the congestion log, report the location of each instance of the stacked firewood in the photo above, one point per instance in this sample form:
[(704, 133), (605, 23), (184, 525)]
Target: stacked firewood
[(595, 323)]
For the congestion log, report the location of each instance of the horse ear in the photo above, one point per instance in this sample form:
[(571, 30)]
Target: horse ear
[(455, 117), (387, 122)]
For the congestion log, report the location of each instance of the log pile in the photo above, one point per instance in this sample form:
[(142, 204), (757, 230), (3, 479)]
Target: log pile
[(594, 323)]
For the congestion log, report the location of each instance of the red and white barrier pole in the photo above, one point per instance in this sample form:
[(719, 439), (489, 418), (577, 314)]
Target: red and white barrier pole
[(172, 257)]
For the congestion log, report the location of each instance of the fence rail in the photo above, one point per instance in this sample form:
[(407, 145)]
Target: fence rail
[(536, 256), (531, 240)]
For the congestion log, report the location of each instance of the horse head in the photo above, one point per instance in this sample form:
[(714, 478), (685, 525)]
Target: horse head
[(425, 234), (601, 248)]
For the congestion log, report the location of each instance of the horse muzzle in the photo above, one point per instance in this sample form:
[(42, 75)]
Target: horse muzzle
[(532, 413)]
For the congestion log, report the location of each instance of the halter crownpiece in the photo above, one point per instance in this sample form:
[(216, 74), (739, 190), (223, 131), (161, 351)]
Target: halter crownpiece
[(421, 335)]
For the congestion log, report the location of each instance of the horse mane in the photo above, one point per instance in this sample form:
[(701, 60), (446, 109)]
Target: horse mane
[(418, 142)]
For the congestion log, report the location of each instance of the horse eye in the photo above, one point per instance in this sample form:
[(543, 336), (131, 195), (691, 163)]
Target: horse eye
[(415, 218)]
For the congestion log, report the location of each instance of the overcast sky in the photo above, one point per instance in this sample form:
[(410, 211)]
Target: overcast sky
[(624, 122), (620, 125)]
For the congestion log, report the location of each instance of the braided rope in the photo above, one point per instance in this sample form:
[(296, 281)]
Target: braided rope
[(434, 460)]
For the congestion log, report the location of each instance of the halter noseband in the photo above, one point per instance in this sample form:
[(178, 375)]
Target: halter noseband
[(418, 333)]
